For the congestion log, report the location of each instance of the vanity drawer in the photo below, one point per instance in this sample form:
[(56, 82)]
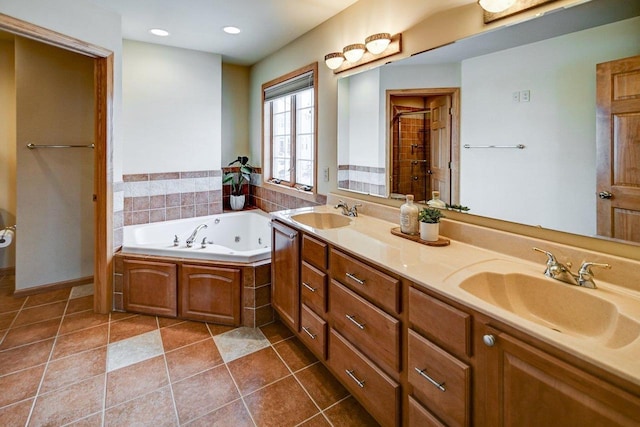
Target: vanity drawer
[(378, 393), (313, 288), (313, 332), (446, 325), (314, 251), (370, 329), (440, 381), (419, 416), (366, 280)]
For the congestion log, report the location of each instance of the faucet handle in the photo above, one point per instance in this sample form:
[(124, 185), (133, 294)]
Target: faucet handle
[(204, 243), (551, 258), (586, 267)]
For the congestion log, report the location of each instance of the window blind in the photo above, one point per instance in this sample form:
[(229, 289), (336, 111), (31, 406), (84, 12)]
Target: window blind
[(289, 87)]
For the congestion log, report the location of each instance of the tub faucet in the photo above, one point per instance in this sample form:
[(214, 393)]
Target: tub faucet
[(192, 238), (557, 270), (353, 211)]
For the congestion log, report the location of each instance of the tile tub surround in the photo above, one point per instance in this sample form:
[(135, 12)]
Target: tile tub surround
[(362, 179), (61, 369), (256, 289), (158, 197), (271, 200)]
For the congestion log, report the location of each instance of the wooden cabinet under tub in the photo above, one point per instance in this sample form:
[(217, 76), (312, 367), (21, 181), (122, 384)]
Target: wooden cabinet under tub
[(210, 294), (202, 292), (150, 287)]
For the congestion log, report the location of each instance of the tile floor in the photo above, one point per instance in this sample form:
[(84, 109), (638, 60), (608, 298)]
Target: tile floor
[(61, 364)]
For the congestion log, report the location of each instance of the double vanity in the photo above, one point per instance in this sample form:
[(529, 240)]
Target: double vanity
[(467, 334)]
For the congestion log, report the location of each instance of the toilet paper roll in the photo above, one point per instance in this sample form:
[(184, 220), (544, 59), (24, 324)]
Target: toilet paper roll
[(6, 237)]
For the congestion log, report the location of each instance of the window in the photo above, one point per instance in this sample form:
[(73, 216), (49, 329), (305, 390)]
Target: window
[(289, 125)]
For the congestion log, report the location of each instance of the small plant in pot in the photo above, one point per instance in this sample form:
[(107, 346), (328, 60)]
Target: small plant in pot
[(430, 223), (238, 180)]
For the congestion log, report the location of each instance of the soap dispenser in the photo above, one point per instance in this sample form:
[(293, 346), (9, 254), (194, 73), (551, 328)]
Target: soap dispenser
[(435, 201), (409, 216)]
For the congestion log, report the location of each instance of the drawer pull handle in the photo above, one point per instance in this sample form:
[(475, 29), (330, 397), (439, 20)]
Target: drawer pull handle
[(313, 336), (353, 377), (440, 386), (355, 278), (354, 321), (306, 285)]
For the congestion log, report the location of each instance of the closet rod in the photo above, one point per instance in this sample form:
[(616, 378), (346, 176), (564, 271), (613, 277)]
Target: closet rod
[(32, 146), (519, 146)]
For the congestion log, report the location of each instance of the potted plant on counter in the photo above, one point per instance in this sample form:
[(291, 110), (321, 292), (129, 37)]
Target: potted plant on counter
[(430, 223), (238, 180)]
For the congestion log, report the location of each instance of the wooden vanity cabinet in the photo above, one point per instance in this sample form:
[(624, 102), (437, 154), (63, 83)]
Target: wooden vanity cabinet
[(285, 274), (150, 287), (210, 294), (526, 386)]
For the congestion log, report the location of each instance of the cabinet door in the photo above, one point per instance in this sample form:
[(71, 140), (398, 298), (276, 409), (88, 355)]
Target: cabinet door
[(210, 294), (150, 287), (285, 274), (528, 387)]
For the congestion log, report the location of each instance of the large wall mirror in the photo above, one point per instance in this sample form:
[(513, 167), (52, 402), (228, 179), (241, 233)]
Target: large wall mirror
[(527, 112)]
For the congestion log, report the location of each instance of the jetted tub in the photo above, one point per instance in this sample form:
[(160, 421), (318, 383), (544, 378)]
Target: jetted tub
[(243, 237)]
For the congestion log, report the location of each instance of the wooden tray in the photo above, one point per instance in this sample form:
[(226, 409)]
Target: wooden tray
[(416, 238)]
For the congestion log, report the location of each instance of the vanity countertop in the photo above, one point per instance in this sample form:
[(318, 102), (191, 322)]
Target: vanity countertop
[(441, 268)]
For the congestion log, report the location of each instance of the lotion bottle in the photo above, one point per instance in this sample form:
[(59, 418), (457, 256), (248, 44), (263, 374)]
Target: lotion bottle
[(409, 216)]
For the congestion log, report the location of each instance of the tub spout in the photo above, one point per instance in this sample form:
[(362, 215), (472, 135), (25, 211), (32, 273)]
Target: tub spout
[(192, 238)]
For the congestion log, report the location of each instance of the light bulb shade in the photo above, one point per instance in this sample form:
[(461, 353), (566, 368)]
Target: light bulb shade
[(353, 52), (334, 60), (377, 43), (495, 6)]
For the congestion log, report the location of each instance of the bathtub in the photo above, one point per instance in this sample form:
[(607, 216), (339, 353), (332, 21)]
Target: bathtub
[(243, 237)]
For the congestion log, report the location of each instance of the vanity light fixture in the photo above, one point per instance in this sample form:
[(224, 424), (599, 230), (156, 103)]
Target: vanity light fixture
[(377, 43), (159, 32), (354, 52), (376, 46), (231, 30), (334, 60), (495, 6)]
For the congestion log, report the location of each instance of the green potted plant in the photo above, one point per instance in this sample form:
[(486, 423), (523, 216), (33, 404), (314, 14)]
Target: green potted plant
[(430, 223), (237, 181)]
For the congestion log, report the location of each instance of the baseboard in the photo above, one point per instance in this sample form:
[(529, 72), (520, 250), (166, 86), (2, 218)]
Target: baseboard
[(7, 270), (53, 286)]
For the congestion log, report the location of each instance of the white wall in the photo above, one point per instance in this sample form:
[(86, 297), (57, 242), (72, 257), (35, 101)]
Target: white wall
[(364, 105), (171, 110), (557, 167), (7, 147)]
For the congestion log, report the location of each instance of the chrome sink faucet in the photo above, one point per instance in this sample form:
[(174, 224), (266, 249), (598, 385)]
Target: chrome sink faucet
[(561, 272), (353, 211), (192, 238), (557, 270)]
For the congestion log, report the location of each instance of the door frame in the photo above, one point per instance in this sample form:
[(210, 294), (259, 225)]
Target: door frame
[(103, 140), (454, 93)]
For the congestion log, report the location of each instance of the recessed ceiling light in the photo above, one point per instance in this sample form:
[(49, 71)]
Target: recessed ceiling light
[(231, 30), (159, 32)]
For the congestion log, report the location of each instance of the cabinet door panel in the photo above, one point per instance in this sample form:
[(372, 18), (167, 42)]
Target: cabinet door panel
[(285, 274), (211, 294), (533, 388), (313, 288), (150, 287)]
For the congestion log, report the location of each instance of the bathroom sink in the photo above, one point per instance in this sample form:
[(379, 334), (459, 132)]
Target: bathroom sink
[(322, 220), (563, 308)]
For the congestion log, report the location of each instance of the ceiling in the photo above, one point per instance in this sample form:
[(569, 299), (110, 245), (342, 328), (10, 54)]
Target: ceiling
[(266, 25)]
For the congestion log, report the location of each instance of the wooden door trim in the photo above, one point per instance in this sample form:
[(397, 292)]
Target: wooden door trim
[(454, 92), (103, 167)]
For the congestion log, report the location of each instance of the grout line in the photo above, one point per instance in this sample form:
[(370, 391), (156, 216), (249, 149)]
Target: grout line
[(166, 367), (44, 372), (246, 407)]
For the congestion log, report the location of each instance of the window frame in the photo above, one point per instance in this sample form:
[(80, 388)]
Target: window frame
[(267, 140)]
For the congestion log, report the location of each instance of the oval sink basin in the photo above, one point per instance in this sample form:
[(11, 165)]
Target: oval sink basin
[(322, 220), (558, 306)]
